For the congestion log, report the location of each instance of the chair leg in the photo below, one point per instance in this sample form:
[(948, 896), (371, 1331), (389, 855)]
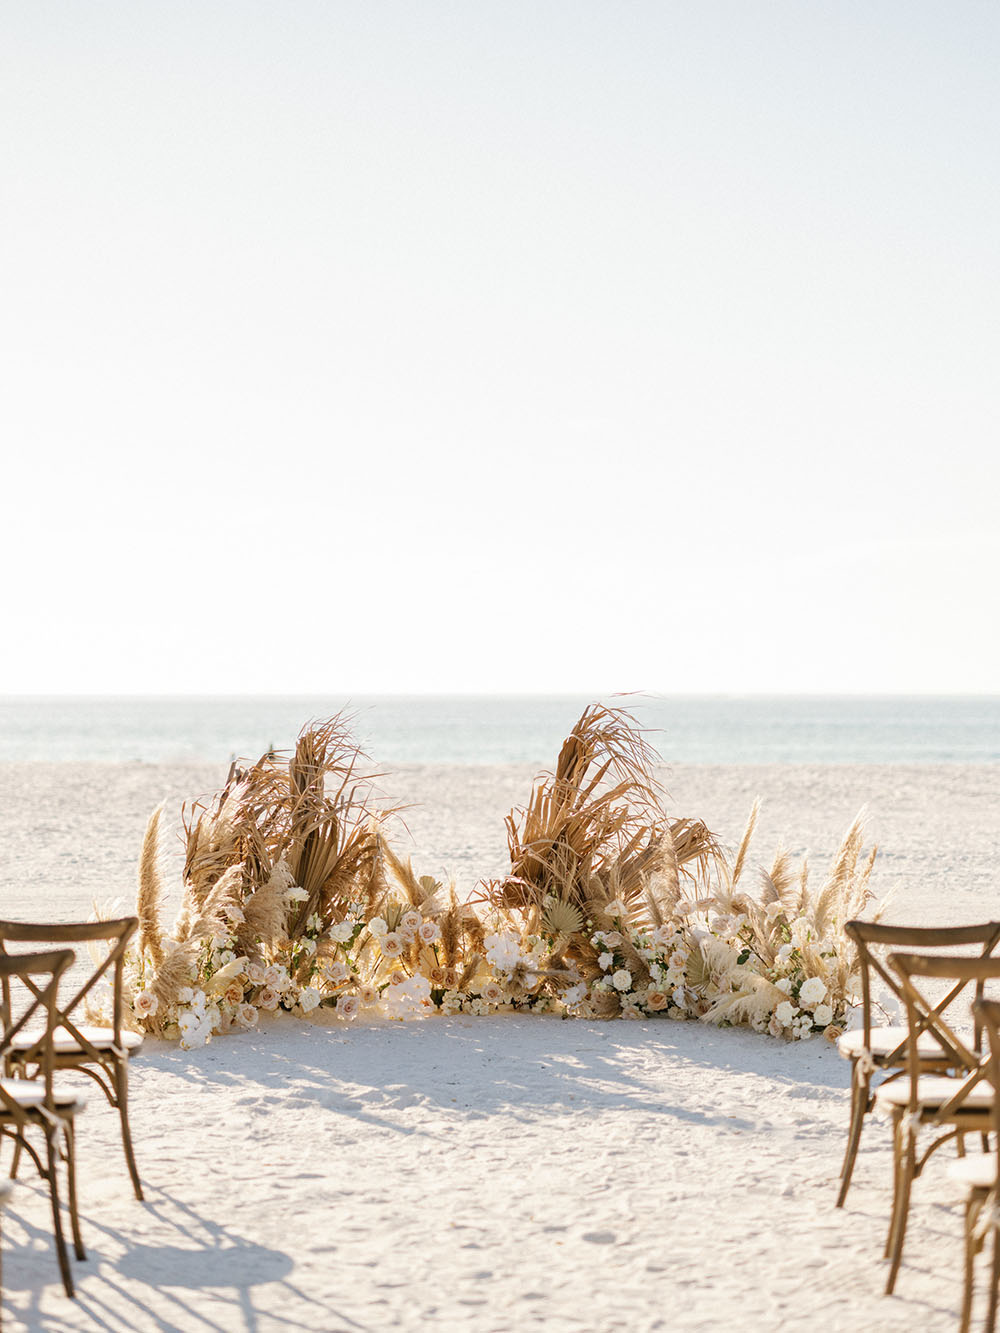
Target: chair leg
[(895, 1184), (908, 1163), (121, 1094), (74, 1215), (859, 1108), (52, 1160), (16, 1160), (971, 1216), (991, 1317)]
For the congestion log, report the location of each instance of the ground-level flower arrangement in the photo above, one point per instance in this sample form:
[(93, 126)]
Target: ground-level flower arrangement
[(294, 900)]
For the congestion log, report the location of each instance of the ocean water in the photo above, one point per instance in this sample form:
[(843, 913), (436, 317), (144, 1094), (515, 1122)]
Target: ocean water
[(438, 729)]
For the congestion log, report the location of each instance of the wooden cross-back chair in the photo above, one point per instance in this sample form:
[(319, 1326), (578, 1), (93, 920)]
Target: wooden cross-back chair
[(955, 1104), (28, 995), (102, 1053), (980, 1174), (879, 1049)]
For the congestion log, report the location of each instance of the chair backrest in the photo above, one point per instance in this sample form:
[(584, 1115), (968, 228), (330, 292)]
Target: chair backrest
[(38, 974), (870, 936), (926, 1014), (117, 933)]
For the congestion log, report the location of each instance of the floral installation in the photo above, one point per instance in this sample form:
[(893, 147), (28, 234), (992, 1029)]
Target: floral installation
[(294, 901)]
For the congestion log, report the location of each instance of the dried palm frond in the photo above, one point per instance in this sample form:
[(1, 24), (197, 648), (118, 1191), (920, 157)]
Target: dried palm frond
[(562, 918), (752, 1000), (599, 807)]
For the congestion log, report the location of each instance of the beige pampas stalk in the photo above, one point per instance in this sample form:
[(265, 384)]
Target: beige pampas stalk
[(149, 900), (745, 843)]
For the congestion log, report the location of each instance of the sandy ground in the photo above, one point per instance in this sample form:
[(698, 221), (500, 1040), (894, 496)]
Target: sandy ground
[(494, 1174)]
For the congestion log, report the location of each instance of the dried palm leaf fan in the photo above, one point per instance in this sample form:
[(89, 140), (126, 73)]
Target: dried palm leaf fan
[(594, 830)]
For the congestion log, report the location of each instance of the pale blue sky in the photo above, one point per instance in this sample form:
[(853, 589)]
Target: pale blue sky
[(360, 347)]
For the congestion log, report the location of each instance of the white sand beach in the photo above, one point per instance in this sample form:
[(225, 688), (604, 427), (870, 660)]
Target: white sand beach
[(487, 1175)]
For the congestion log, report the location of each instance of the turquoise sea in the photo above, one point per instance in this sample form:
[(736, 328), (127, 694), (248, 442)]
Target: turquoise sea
[(479, 729)]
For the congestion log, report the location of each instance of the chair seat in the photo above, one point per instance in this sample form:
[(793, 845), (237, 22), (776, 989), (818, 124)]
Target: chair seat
[(28, 1093), (886, 1040), (934, 1090), (64, 1043), (977, 1172)]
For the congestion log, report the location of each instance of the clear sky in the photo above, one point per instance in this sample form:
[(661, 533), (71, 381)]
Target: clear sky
[(545, 345)]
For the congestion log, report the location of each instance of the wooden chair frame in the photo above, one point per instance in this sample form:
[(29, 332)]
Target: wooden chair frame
[(53, 1116), (106, 1064), (954, 1113), (869, 936), (982, 1208)]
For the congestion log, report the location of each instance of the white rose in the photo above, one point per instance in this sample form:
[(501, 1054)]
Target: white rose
[(822, 1015), (429, 932), (268, 998), (342, 932), (146, 1004), (256, 973), (784, 984), (492, 993), (411, 920), (246, 1015), (622, 980), (391, 944), (605, 960), (309, 998), (347, 1006), (811, 992), (377, 926), (785, 1013)]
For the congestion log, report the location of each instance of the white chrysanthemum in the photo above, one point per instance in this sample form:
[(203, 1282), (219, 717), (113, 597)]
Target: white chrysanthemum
[(622, 980), (785, 1013), (811, 992)]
